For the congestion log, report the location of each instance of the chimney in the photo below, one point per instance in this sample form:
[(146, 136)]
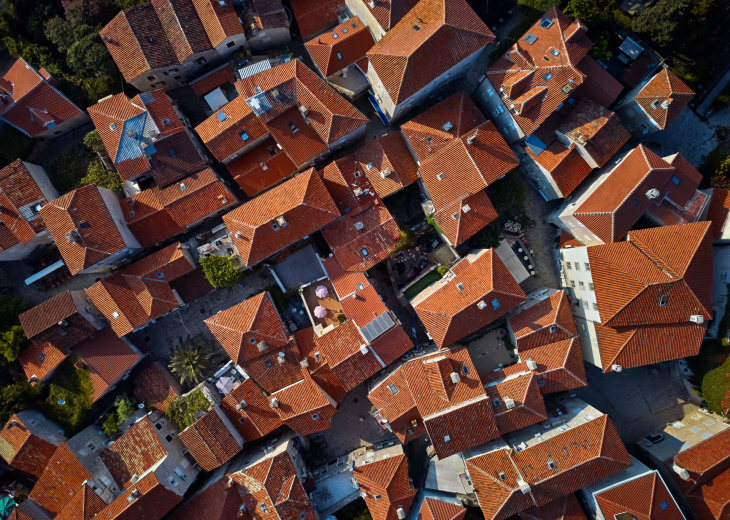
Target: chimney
[(401, 513), (282, 358), (524, 486), (262, 346), (274, 402), (531, 365), (304, 363), (455, 377), (683, 473), (472, 138), (363, 349), (509, 403), (652, 193)]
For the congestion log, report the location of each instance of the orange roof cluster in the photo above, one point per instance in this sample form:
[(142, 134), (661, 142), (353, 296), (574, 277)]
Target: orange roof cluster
[(261, 168), (108, 359), (429, 40), (388, 14), (63, 476), (314, 16), (25, 448), (280, 217), (718, 211), (435, 509), (653, 289), (145, 134), (564, 508), (141, 292), (646, 497), (165, 33), (564, 163), (508, 482), (386, 487), (478, 291), (547, 321), (211, 439), (83, 228), (154, 215), (340, 46), (31, 103), (250, 412), (460, 153), (664, 97)]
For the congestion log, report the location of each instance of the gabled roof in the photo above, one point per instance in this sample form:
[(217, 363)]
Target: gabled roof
[(387, 478), (388, 14), (305, 205), (340, 46), (645, 497), (58, 320), (548, 321), (240, 328), (620, 200), (23, 449), (664, 97), (275, 369), (718, 211), (148, 499), (597, 129), (258, 169), (319, 370), (433, 37), (155, 215), (580, 456), (40, 359), (565, 508), (63, 477), (387, 163), (82, 228), (489, 291), (155, 387), (539, 72), (464, 217), (210, 440), (363, 238), (84, 505), (218, 501), (30, 102), (255, 418), (304, 406), (108, 359), (527, 405), (435, 509), (20, 197), (711, 501), (141, 291), (704, 461), (564, 164), (630, 278), (223, 131), (559, 366)]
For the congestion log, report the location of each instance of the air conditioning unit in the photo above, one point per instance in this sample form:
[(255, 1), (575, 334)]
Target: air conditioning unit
[(303, 110), (683, 473), (282, 358), (241, 405), (524, 486), (481, 305), (385, 172), (281, 221), (652, 193), (359, 226), (262, 346), (401, 513), (455, 377), (363, 349), (363, 494), (697, 318), (304, 363), (616, 368), (531, 365), (509, 403), (274, 403)]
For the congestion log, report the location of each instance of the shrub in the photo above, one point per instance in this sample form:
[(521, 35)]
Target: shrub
[(715, 387), (73, 387), (93, 142), (11, 341), (182, 411), (341, 318), (220, 271), (68, 169), (404, 241), (97, 174), (16, 397), (442, 270), (110, 424)]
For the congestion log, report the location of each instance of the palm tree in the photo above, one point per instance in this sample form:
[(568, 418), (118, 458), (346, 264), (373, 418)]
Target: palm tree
[(188, 363)]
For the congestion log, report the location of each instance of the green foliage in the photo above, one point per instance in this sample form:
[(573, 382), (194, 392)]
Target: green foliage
[(356, 510), (442, 270), (59, 33), (716, 387), (93, 142), (16, 397), (126, 4), (182, 410), (87, 55), (404, 241), (663, 22), (111, 422), (188, 363), (11, 341), (341, 318), (488, 237), (16, 145), (596, 14), (73, 386), (432, 222), (220, 271), (508, 197), (125, 407), (10, 308), (600, 51), (97, 174), (68, 169)]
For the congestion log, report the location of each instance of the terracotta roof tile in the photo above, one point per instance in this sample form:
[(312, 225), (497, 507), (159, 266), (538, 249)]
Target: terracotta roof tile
[(211, 81), (259, 169), (341, 350), (240, 328), (62, 478), (450, 313), (564, 164), (718, 211), (210, 441), (273, 371), (703, 461), (527, 408), (598, 85), (19, 198), (304, 204), (689, 180), (388, 14), (220, 21), (85, 505), (304, 407), (58, 321), (24, 450), (645, 497), (464, 217), (435, 509), (388, 479), (547, 321), (314, 16), (218, 501), (559, 366), (153, 501), (82, 228), (155, 387), (331, 54), (710, 500), (407, 59), (223, 131), (664, 97), (255, 419), (136, 451), (565, 508), (108, 358), (392, 344), (39, 360), (387, 163)]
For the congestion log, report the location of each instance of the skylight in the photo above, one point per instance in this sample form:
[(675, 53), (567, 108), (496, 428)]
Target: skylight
[(221, 117)]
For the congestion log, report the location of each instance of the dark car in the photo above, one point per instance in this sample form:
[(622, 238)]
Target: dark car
[(653, 439)]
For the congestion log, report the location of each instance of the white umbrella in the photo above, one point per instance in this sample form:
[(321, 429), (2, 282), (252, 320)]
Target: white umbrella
[(321, 291), (225, 385), (320, 312)]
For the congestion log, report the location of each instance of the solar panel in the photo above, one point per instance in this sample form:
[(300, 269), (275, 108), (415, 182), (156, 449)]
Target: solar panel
[(377, 327)]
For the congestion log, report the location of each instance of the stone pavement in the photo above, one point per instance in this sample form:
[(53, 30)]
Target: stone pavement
[(688, 135), (162, 335)]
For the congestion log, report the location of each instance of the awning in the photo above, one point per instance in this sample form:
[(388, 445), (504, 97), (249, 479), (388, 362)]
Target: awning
[(40, 274)]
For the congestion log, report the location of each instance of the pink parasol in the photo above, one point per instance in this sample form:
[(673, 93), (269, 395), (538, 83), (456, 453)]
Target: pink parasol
[(321, 291), (320, 312)]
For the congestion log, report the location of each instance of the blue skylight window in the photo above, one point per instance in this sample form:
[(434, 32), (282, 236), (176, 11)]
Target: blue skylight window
[(221, 117), (495, 303)]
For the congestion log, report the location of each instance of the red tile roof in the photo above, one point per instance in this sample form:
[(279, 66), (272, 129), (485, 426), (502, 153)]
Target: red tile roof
[(108, 359), (341, 351), (363, 238), (618, 203), (718, 211), (435, 509), (407, 59), (255, 418), (464, 217), (547, 321), (304, 407), (581, 456), (559, 366), (313, 16), (565, 508), (218, 501), (259, 169), (167, 32), (85, 505), (664, 97), (58, 321), (489, 291), (30, 102), (704, 461), (136, 451), (689, 180), (63, 477), (388, 14), (155, 215), (223, 131), (527, 407), (39, 360), (83, 228), (140, 292), (388, 479), (645, 497), (19, 196), (240, 328), (148, 499), (340, 46), (211, 81), (24, 450), (564, 164), (597, 129), (210, 441), (598, 85), (155, 387), (711, 501), (387, 164), (305, 205), (276, 369)]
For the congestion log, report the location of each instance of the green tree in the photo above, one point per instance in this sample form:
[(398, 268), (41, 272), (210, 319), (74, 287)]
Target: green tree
[(88, 56), (188, 363), (125, 408), (126, 4), (70, 396), (596, 14), (721, 179), (58, 31), (716, 387), (16, 397), (600, 50), (102, 177), (663, 22), (93, 142), (11, 341), (220, 271), (85, 11), (183, 410), (111, 423), (10, 308)]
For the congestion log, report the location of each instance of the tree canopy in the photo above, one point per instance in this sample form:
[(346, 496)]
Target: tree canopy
[(220, 271)]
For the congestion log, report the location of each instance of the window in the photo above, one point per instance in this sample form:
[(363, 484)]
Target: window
[(354, 25), (317, 356), (151, 78), (244, 135), (168, 438), (112, 126), (58, 132), (440, 176), (339, 55), (572, 284), (663, 505), (364, 252), (502, 476), (447, 438), (548, 76), (393, 389), (165, 122), (302, 516), (595, 307), (577, 266), (293, 127), (590, 286), (465, 370), (416, 27), (663, 300), (176, 77), (252, 341), (546, 23), (377, 497), (553, 328), (158, 426), (263, 508), (581, 285), (335, 35), (164, 73), (460, 286), (495, 303), (267, 362), (496, 402), (357, 175), (230, 44), (585, 304), (240, 420), (344, 30), (588, 266), (172, 152), (675, 180), (221, 117), (568, 265), (315, 416), (555, 52), (636, 202), (551, 464), (360, 287)]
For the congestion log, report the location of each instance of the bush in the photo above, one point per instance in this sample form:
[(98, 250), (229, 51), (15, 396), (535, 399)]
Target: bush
[(404, 241), (220, 271), (93, 142), (663, 21), (442, 270), (73, 387), (11, 341), (68, 169), (16, 145), (341, 318), (124, 409), (97, 174), (16, 397), (110, 424), (183, 410), (716, 386)]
